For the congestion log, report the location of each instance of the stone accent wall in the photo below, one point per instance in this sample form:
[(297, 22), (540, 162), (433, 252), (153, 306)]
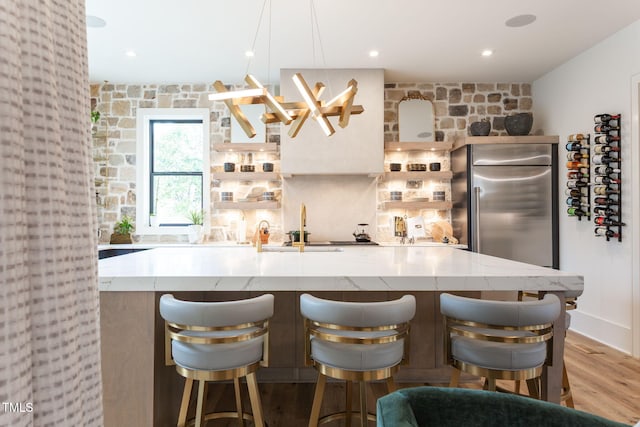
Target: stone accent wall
[(114, 148), (457, 105)]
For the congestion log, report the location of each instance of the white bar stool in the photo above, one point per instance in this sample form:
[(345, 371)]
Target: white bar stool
[(216, 341), (505, 340), (354, 341)]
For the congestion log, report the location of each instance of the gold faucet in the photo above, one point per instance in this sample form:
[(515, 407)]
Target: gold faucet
[(257, 235), (303, 222)]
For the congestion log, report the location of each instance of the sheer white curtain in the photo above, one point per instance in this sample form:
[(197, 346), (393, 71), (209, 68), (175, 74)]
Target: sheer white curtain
[(49, 312)]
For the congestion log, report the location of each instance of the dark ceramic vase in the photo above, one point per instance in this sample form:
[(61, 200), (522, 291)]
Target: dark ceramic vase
[(518, 124), (481, 128)]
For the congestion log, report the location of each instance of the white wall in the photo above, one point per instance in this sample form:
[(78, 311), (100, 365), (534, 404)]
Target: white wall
[(565, 101)]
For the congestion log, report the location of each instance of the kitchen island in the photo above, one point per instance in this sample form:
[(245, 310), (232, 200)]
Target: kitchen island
[(139, 388)]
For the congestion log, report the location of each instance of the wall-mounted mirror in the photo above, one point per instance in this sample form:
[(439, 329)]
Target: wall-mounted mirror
[(415, 119), (253, 113)]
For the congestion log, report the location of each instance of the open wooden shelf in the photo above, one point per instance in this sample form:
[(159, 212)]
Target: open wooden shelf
[(523, 139), (417, 205), (246, 176), (417, 146), (441, 175), (248, 147), (247, 205)]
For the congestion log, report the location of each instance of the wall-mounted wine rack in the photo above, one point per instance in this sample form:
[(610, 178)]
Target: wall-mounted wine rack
[(607, 180), (578, 194)]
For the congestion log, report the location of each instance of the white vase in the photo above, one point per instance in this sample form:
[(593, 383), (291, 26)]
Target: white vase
[(195, 233)]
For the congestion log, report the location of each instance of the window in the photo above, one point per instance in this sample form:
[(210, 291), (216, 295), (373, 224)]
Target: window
[(173, 165)]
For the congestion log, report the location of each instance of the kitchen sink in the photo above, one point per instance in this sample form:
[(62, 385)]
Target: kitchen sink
[(334, 243)]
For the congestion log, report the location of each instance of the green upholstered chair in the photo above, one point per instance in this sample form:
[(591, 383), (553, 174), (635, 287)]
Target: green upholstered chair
[(443, 407)]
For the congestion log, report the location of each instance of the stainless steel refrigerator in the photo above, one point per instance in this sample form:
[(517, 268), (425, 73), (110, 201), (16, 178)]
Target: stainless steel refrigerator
[(505, 200)]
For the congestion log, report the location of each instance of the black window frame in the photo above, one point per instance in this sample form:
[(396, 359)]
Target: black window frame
[(153, 173)]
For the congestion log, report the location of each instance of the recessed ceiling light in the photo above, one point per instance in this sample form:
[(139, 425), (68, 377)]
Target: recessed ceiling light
[(130, 53), (487, 52), (520, 21), (95, 22), (374, 53), (249, 54)]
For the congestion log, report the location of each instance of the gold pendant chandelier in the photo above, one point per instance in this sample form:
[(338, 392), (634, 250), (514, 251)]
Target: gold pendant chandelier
[(293, 114)]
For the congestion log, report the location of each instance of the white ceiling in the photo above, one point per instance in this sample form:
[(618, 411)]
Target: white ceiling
[(200, 41)]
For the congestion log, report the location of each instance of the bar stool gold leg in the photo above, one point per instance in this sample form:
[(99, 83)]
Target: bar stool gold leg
[(184, 406), (317, 400), (254, 396), (202, 385), (239, 408), (347, 402), (363, 404)]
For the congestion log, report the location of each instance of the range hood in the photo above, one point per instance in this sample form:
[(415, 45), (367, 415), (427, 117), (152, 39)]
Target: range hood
[(357, 149)]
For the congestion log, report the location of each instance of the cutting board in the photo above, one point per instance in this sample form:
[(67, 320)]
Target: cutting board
[(442, 229)]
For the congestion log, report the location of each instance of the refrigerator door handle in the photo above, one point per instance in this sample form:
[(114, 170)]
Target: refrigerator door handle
[(476, 216)]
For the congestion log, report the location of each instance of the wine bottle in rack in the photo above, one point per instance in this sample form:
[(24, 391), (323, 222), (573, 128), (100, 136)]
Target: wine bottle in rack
[(606, 232), (606, 170), (601, 148), (602, 190), (604, 211), (573, 192), (600, 179), (604, 159), (601, 118), (606, 139), (576, 174), (577, 156), (577, 212)]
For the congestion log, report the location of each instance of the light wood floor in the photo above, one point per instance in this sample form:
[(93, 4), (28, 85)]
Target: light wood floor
[(604, 382)]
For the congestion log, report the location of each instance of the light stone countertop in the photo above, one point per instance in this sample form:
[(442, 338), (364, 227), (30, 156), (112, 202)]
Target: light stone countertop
[(348, 268)]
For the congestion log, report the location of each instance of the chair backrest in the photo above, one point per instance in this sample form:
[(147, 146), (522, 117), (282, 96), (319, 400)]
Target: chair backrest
[(444, 407), (517, 314), (216, 322), (487, 320), (357, 322)]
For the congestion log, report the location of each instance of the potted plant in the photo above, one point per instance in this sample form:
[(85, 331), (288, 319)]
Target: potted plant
[(195, 229), (95, 118), (122, 230)]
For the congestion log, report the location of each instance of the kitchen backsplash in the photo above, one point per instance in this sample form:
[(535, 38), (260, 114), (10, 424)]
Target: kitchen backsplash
[(456, 105)]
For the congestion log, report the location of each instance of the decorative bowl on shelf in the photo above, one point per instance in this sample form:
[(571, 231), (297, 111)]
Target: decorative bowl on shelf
[(481, 128), (518, 124), (417, 167), (247, 168)]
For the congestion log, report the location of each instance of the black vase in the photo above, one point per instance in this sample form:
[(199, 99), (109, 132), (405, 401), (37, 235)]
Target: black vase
[(518, 124), (480, 128)]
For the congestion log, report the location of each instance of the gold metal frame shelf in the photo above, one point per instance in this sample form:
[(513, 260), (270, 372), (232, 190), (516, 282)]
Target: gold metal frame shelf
[(246, 147), (418, 205), (417, 146)]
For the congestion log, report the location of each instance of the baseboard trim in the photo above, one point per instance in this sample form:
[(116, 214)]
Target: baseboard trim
[(602, 330)]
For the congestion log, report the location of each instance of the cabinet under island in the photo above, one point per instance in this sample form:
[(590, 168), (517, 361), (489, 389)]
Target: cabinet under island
[(140, 390)]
